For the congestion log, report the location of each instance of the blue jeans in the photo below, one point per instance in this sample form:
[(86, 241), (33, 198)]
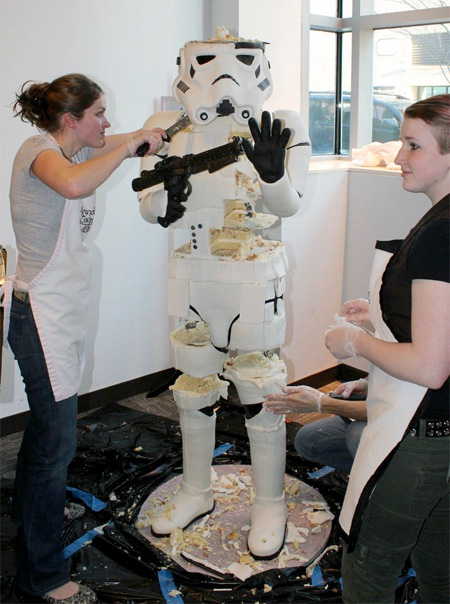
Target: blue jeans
[(407, 516), (330, 442), (47, 448)]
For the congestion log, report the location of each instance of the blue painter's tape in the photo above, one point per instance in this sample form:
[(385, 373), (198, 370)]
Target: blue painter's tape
[(79, 543), (322, 472), (83, 540), (316, 577), (167, 584), (221, 449), (90, 500)]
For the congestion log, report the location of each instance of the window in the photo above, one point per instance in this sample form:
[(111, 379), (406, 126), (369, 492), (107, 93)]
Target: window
[(397, 60), (419, 65), (378, 7), (327, 8), (322, 95), (431, 48), (329, 103)]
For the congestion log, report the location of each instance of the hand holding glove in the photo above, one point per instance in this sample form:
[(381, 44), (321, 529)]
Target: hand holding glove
[(341, 338), (268, 152), (354, 387), (294, 399), (178, 190), (356, 311)]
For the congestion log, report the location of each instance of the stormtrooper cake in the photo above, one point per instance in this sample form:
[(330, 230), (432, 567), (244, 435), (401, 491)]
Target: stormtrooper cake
[(226, 280)]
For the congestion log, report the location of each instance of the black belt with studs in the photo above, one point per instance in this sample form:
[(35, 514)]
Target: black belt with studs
[(431, 428)]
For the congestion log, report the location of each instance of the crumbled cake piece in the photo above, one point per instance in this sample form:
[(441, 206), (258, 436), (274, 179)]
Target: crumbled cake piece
[(195, 333), (192, 386), (230, 242), (241, 214)]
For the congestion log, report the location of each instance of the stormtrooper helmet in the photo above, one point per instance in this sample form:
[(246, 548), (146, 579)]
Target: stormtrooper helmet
[(223, 77)]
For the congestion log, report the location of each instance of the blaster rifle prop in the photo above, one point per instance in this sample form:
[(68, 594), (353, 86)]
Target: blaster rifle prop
[(211, 160)]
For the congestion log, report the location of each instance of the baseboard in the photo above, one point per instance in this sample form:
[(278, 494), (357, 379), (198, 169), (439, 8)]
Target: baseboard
[(153, 383), (99, 398), (342, 373)]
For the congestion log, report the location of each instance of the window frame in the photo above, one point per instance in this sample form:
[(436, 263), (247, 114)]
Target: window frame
[(362, 27)]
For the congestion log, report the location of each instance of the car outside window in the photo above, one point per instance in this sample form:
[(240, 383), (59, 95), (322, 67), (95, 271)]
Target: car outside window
[(387, 117)]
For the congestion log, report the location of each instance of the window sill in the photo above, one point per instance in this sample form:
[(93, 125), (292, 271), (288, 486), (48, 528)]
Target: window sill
[(335, 164)]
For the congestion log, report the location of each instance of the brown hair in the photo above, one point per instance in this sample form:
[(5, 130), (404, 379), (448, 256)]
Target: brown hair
[(435, 111), (43, 104)]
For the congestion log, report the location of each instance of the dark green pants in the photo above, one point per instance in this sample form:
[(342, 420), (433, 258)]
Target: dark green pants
[(407, 515)]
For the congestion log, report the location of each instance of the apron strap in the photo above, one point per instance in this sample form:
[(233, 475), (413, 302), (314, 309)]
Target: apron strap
[(6, 291)]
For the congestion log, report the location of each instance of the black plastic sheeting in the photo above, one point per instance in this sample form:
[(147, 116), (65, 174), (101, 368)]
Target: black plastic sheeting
[(122, 456)]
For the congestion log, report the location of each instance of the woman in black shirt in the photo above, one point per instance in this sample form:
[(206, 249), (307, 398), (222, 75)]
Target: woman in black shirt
[(397, 503)]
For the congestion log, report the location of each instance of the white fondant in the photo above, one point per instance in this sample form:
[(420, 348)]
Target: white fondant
[(197, 393), (178, 294), (201, 88), (254, 336), (252, 303), (195, 495), (256, 375), (218, 304), (267, 436), (193, 353), (267, 264)]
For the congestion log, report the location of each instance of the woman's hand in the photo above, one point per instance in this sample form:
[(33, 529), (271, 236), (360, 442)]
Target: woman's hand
[(355, 386), (154, 138), (356, 311), (341, 339), (294, 399)]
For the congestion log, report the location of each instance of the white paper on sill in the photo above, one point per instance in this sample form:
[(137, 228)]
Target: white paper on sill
[(377, 155)]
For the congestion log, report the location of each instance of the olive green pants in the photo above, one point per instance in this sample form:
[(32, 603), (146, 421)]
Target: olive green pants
[(407, 515)]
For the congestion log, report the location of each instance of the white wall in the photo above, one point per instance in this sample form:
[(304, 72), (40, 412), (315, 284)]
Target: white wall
[(315, 243), (130, 49)]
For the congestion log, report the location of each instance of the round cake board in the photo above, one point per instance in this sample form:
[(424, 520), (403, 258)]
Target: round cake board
[(216, 544)]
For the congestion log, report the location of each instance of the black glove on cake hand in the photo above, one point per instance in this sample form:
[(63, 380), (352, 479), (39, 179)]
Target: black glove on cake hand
[(178, 190), (268, 152)]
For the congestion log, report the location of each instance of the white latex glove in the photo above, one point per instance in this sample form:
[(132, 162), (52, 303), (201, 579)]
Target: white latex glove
[(356, 311), (294, 399), (341, 338), (347, 388)]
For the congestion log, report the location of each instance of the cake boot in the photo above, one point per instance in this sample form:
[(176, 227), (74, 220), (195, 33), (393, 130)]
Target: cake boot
[(267, 436), (194, 498)]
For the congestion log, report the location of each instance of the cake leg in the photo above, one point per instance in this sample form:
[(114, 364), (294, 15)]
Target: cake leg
[(267, 436), (194, 497)]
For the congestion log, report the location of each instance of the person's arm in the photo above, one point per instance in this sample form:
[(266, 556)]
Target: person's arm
[(304, 399), (426, 360), (74, 181), (344, 408), (113, 141)]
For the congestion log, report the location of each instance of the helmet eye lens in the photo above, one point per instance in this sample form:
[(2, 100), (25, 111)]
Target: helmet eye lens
[(246, 59), (203, 59)]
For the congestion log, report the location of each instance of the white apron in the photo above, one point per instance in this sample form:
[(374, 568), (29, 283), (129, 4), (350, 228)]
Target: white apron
[(391, 405), (59, 297)]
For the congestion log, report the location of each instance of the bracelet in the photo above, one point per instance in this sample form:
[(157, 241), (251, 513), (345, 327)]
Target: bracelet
[(319, 402)]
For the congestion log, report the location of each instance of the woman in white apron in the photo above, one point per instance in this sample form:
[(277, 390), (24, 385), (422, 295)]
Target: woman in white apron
[(397, 503), (53, 184)]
